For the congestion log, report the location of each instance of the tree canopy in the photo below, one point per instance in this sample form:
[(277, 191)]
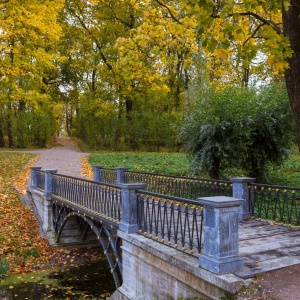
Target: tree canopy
[(250, 35), (116, 73), (29, 33)]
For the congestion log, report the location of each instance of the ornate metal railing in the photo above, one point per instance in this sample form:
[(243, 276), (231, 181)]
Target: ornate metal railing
[(40, 178), (97, 199), (183, 187), (276, 203), (109, 176), (173, 221)]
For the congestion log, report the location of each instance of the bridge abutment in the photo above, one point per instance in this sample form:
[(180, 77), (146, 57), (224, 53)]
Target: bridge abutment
[(43, 206), (155, 271)]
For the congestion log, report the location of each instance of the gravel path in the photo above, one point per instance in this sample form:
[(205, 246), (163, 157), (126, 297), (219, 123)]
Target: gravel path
[(64, 157)]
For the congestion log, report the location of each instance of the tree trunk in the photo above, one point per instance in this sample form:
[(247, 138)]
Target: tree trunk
[(2, 141), (291, 29), (9, 130), (214, 172)]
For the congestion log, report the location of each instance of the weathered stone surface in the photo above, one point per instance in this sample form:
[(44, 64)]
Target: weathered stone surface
[(155, 271), (129, 222), (70, 235), (220, 253), (240, 190)]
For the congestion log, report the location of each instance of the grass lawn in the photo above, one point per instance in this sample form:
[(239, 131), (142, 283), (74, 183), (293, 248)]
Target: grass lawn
[(177, 164), (153, 162)]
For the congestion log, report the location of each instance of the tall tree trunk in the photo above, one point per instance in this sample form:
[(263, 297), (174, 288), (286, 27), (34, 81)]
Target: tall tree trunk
[(9, 128), (214, 172), (291, 29), (2, 142)]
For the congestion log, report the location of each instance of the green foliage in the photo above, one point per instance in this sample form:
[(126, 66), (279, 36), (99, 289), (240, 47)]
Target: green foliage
[(271, 133), (152, 124), (287, 174), (238, 128), (4, 266), (32, 251), (161, 163), (25, 125), (126, 69)]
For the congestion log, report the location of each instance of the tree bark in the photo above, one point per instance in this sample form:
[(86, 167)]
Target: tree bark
[(2, 141), (291, 29), (214, 172)]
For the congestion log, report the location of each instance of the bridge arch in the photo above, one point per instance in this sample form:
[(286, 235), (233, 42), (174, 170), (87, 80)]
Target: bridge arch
[(110, 242)]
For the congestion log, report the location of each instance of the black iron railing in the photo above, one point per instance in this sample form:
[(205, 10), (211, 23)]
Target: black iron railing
[(183, 187), (173, 221), (276, 203), (40, 178), (109, 176), (99, 199)]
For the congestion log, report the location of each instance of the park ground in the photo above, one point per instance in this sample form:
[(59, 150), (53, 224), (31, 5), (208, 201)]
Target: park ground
[(281, 284)]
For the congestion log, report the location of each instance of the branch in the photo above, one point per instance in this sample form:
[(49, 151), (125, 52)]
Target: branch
[(264, 21), (258, 17), (168, 9), (127, 24), (253, 34), (109, 66)]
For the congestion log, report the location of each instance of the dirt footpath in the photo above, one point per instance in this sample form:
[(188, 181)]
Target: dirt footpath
[(64, 156), (281, 284)]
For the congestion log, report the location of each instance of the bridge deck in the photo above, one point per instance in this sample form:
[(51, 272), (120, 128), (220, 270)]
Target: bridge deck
[(265, 247)]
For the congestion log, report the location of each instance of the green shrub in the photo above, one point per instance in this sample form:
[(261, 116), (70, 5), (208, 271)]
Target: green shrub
[(248, 129)]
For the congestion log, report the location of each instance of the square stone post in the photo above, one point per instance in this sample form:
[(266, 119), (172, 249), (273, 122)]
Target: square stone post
[(129, 221), (33, 177), (220, 252), (47, 201), (48, 182), (241, 191), (121, 178), (98, 173)]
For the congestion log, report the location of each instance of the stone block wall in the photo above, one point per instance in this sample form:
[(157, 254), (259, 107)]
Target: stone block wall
[(155, 271)]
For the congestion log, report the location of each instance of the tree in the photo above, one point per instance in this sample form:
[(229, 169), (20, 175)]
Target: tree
[(237, 128), (245, 30), (291, 29), (128, 62), (29, 31)]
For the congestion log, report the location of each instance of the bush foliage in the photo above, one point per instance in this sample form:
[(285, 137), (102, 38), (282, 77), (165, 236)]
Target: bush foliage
[(243, 128)]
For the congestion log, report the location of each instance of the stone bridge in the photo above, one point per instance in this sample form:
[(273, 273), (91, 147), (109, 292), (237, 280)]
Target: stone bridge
[(160, 246)]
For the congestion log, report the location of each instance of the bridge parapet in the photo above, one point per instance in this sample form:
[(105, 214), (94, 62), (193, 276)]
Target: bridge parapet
[(173, 221), (183, 187)]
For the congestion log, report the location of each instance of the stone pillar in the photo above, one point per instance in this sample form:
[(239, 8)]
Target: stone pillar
[(47, 201), (33, 177), (220, 252), (121, 178), (48, 182), (241, 191), (98, 173), (129, 221)]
